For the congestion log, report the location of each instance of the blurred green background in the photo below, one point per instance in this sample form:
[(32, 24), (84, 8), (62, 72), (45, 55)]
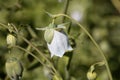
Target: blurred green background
[(100, 17)]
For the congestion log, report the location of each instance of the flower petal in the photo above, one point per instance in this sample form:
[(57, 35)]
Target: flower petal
[(59, 44)]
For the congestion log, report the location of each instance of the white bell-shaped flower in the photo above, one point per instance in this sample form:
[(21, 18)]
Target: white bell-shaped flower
[(56, 39), (59, 44)]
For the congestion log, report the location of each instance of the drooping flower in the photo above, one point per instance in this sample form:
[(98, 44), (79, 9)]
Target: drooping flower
[(59, 45), (57, 40)]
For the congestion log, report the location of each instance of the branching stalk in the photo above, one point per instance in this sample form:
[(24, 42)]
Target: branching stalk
[(28, 42), (94, 42), (38, 52)]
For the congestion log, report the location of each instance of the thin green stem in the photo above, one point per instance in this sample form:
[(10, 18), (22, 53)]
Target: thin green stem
[(17, 33), (65, 9), (39, 53), (4, 26), (55, 71), (67, 3), (32, 55), (94, 42), (32, 33)]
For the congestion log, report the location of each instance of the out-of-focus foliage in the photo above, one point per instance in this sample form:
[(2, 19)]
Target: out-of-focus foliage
[(100, 17)]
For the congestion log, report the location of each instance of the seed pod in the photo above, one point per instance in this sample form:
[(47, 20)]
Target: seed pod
[(11, 40), (14, 68)]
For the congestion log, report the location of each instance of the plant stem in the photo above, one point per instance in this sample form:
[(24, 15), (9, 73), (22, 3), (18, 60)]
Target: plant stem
[(17, 33), (94, 42), (31, 55), (53, 68), (39, 53), (65, 10), (67, 3), (28, 42)]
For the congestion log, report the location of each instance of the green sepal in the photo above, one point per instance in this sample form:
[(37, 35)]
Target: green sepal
[(48, 35)]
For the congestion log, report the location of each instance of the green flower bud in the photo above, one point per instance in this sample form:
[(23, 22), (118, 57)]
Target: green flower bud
[(14, 68), (48, 35), (11, 40), (91, 75)]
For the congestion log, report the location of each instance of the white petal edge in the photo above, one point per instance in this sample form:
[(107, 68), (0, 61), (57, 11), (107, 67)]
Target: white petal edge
[(59, 44)]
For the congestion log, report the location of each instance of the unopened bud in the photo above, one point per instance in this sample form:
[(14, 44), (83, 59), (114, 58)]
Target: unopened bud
[(11, 40), (14, 68), (49, 33), (91, 75)]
